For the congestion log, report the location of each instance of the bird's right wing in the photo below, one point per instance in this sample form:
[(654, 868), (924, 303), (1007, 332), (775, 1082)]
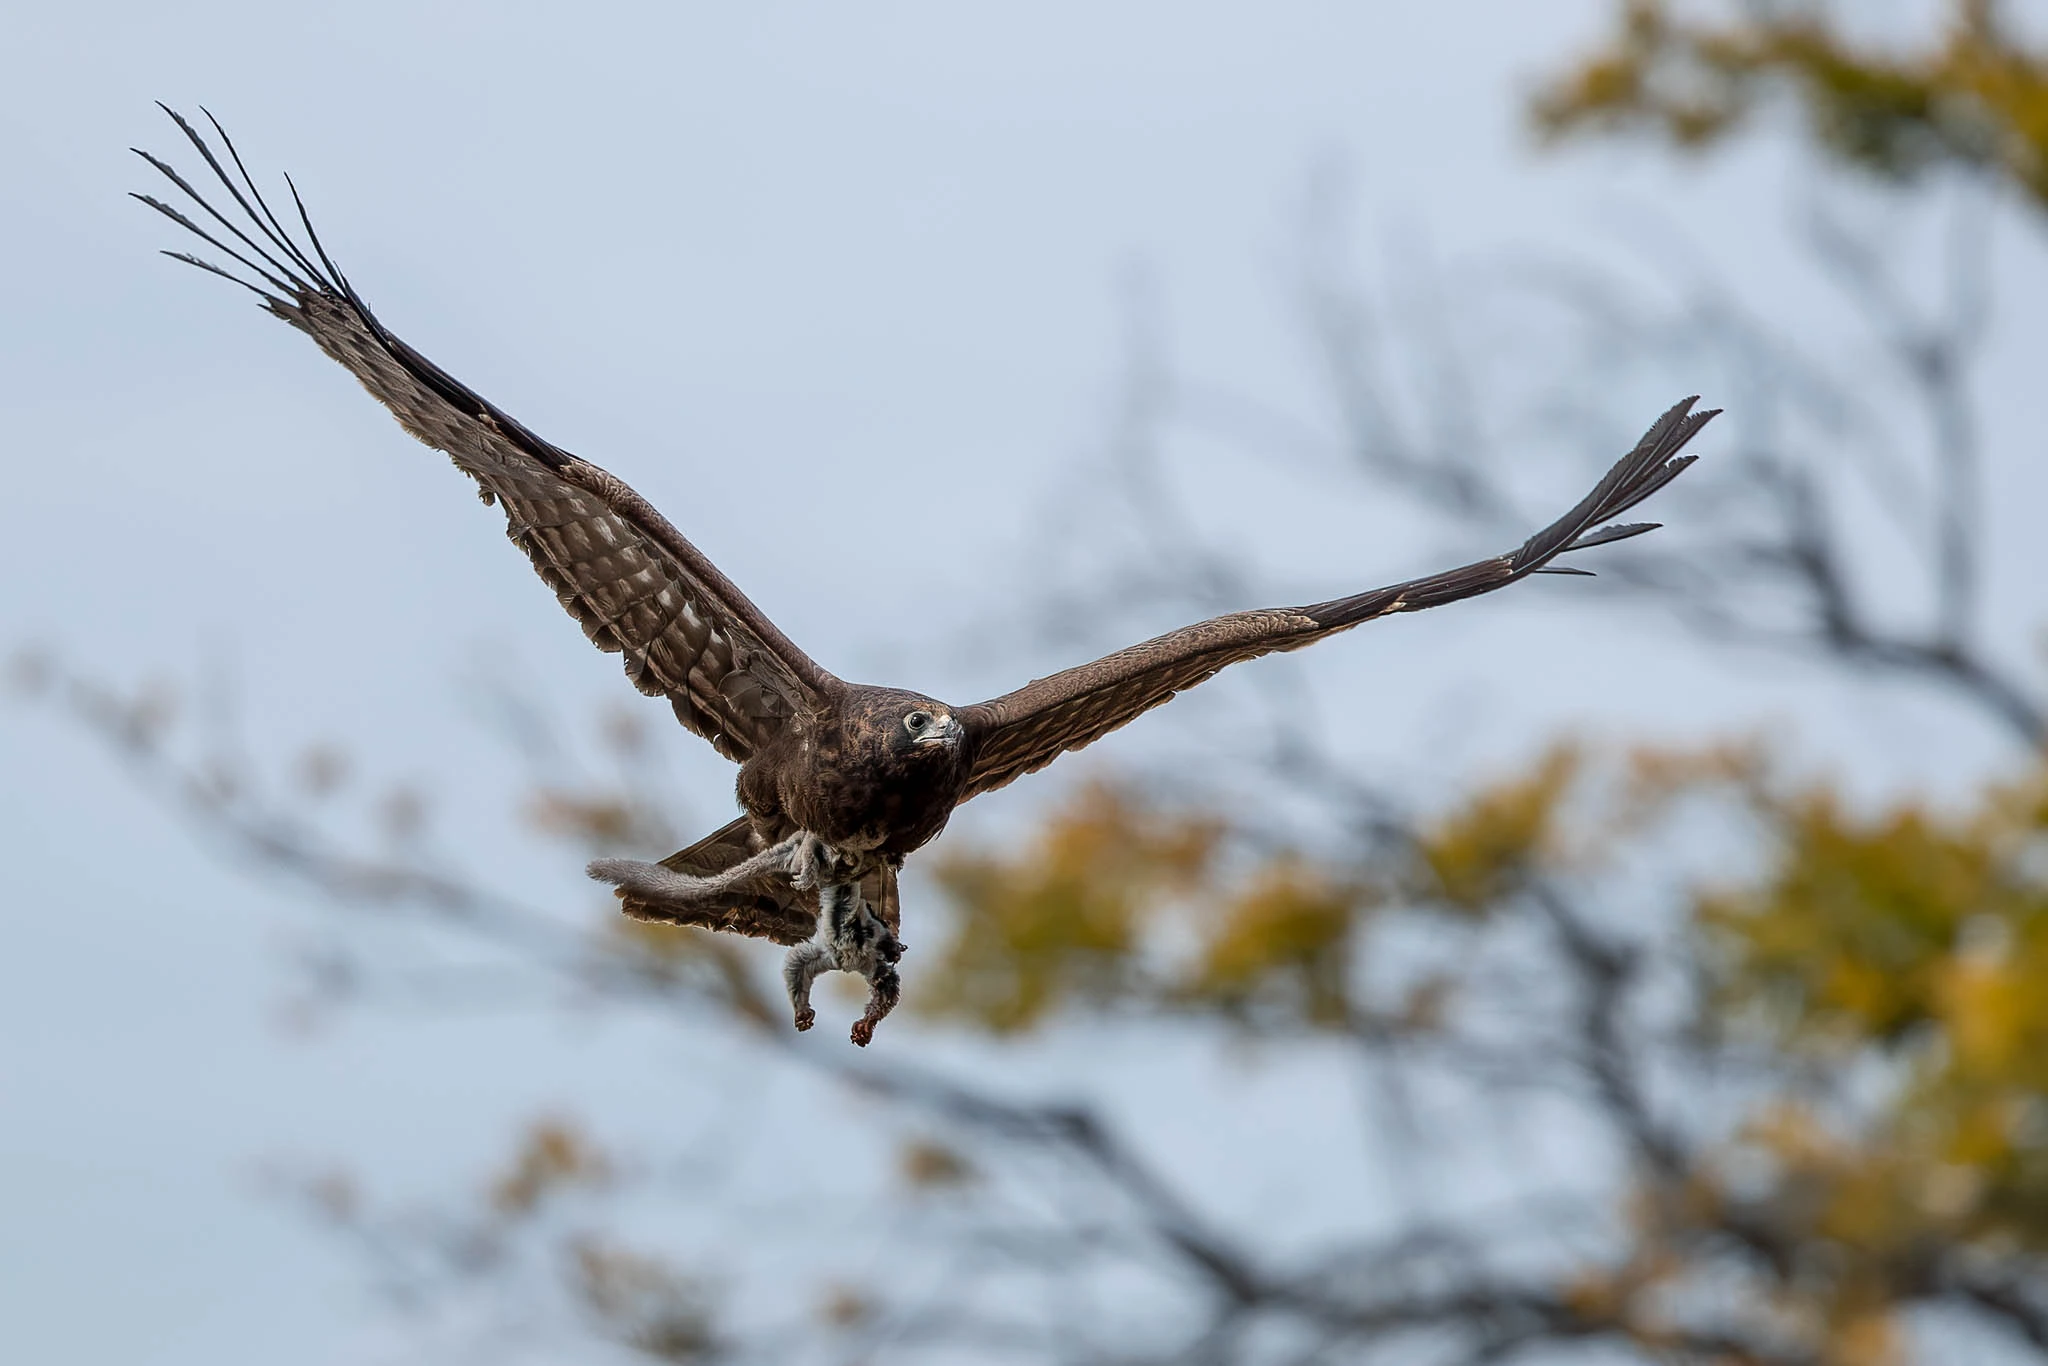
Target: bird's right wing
[(1023, 731), (630, 579)]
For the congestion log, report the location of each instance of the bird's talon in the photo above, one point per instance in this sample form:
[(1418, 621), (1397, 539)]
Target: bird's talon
[(805, 1019)]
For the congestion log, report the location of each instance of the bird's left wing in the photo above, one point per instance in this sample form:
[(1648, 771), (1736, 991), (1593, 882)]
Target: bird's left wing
[(631, 580), (1023, 731)]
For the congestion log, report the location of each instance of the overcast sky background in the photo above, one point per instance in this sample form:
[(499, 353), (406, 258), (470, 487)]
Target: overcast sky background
[(813, 279)]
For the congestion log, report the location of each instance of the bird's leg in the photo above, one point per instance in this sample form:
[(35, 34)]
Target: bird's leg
[(659, 886), (809, 856)]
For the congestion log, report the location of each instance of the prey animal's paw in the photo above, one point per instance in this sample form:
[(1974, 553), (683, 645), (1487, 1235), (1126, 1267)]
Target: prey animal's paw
[(805, 1018), (863, 1031)]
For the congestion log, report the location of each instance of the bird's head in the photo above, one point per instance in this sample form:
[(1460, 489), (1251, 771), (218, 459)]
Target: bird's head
[(922, 724), (910, 726)]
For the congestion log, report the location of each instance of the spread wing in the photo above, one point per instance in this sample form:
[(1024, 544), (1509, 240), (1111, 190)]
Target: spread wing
[(1023, 731), (630, 579)]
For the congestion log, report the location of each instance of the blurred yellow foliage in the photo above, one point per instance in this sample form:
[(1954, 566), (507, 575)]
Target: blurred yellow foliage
[(1064, 920), (1972, 96), (1874, 928), (1917, 936), (1850, 933), (1288, 930), (1481, 851)]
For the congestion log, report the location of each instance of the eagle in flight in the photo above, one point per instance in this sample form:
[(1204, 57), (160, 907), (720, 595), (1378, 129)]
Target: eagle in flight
[(838, 781)]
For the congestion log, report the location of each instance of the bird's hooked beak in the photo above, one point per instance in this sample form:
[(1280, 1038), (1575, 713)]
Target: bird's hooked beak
[(948, 732)]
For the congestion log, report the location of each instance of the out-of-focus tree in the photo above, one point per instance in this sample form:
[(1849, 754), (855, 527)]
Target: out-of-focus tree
[(1799, 1058), (1667, 1055)]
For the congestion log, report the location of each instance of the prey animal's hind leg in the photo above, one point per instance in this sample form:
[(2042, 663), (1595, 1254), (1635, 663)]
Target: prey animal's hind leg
[(807, 961), (799, 969), (885, 988)]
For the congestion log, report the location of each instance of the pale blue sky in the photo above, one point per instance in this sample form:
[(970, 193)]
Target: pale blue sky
[(813, 257)]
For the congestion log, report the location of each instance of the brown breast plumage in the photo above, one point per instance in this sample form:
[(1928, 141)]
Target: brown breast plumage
[(862, 777)]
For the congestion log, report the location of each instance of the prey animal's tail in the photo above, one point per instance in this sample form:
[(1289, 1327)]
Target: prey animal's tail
[(767, 907)]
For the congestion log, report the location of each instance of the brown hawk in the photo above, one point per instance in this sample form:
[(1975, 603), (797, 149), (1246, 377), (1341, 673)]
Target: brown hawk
[(838, 781)]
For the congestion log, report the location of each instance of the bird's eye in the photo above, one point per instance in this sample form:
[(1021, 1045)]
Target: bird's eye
[(918, 720)]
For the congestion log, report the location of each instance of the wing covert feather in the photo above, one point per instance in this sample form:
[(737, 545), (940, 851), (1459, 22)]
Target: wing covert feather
[(1023, 731), (634, 583)]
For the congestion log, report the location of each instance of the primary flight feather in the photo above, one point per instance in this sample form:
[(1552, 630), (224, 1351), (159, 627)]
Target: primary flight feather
[(839, 781)]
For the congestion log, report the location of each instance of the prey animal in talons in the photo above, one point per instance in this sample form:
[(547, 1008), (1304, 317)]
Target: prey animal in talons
[(851, 936)]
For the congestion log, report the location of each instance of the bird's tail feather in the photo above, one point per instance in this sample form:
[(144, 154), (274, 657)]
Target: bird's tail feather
[(766, 907)]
